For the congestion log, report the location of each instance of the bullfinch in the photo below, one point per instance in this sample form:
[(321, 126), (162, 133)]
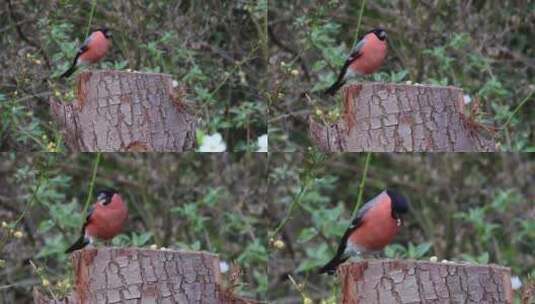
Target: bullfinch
[(375, 226), (92, 50), (366, 57), (105, 219)]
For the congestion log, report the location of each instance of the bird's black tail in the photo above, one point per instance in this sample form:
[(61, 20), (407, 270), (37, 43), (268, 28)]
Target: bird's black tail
[(334, 88), (330, 268), (79, 244), (72, 68), (69, 71)]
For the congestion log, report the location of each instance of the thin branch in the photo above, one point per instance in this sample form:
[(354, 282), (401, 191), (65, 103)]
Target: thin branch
[(359, 20), (296, 201), (282, 46), (90, 17), (23, 36), (92, 184), (520, 105), (362, 183)]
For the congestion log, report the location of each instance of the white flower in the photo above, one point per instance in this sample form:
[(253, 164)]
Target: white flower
[(175, 83), (433, 259), (213, 143), (223, 266), (515, 282), (262, 143), (467, 99)]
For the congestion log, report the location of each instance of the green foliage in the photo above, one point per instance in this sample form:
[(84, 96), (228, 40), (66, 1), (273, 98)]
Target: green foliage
[(213, 51), (464, 208), (316, 257), (132, 239), (488, 57), (191, 212), (185, 201), (482, 259), (273, 221), (22, 128), (491, 233), (410, 251), (393, 76)]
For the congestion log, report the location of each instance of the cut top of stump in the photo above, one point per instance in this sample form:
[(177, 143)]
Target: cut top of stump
[(125, 111), (138, 275), (410, 281), (381, 117)]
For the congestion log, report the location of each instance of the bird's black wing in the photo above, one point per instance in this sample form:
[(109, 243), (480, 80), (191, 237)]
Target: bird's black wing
[(355, 53), (85, 45), (89, 214), (82, 240), (81, 50), (340, 257)]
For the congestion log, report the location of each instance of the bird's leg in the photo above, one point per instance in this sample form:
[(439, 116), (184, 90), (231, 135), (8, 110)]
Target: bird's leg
[(379, 254), (107, 243), (355, 258), (91, 242)]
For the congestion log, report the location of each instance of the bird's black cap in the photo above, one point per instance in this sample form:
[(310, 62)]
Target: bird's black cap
[(399, 203), (106, 31), (105, 195), (379, 32)]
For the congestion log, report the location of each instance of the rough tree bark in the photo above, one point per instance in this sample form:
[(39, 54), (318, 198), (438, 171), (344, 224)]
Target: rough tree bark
[(125, 111), (400, 118), (406, 281), (134, 276)]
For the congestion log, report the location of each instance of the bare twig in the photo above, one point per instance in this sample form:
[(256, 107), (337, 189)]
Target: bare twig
[(24, 38)]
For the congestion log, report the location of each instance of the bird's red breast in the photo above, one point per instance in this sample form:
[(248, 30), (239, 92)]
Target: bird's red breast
[(107, 221), (378, 227), (97, 48), (373, 55)]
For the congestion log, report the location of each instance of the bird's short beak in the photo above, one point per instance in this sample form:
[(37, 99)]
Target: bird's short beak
[(101, 199)]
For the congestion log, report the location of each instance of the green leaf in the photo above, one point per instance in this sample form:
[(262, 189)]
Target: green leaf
[(139, 240), (254, 253), (262, 280), (307, 234), (422, 249), (482, 259), (317, 256)]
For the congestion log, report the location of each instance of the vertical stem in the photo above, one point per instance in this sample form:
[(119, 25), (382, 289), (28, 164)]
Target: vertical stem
[(359, 20), (362, 183), (296, 201), (92, 183), (526, 99), (90, 17)]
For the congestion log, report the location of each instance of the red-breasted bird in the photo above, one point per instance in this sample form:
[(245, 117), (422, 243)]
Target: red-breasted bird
[(104, 221), (366, 57), (375, 226), (92, 50)]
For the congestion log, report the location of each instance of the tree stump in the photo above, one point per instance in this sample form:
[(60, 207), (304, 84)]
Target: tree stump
[(406, 281), (135, 275), (401, 118), (125, 111)]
